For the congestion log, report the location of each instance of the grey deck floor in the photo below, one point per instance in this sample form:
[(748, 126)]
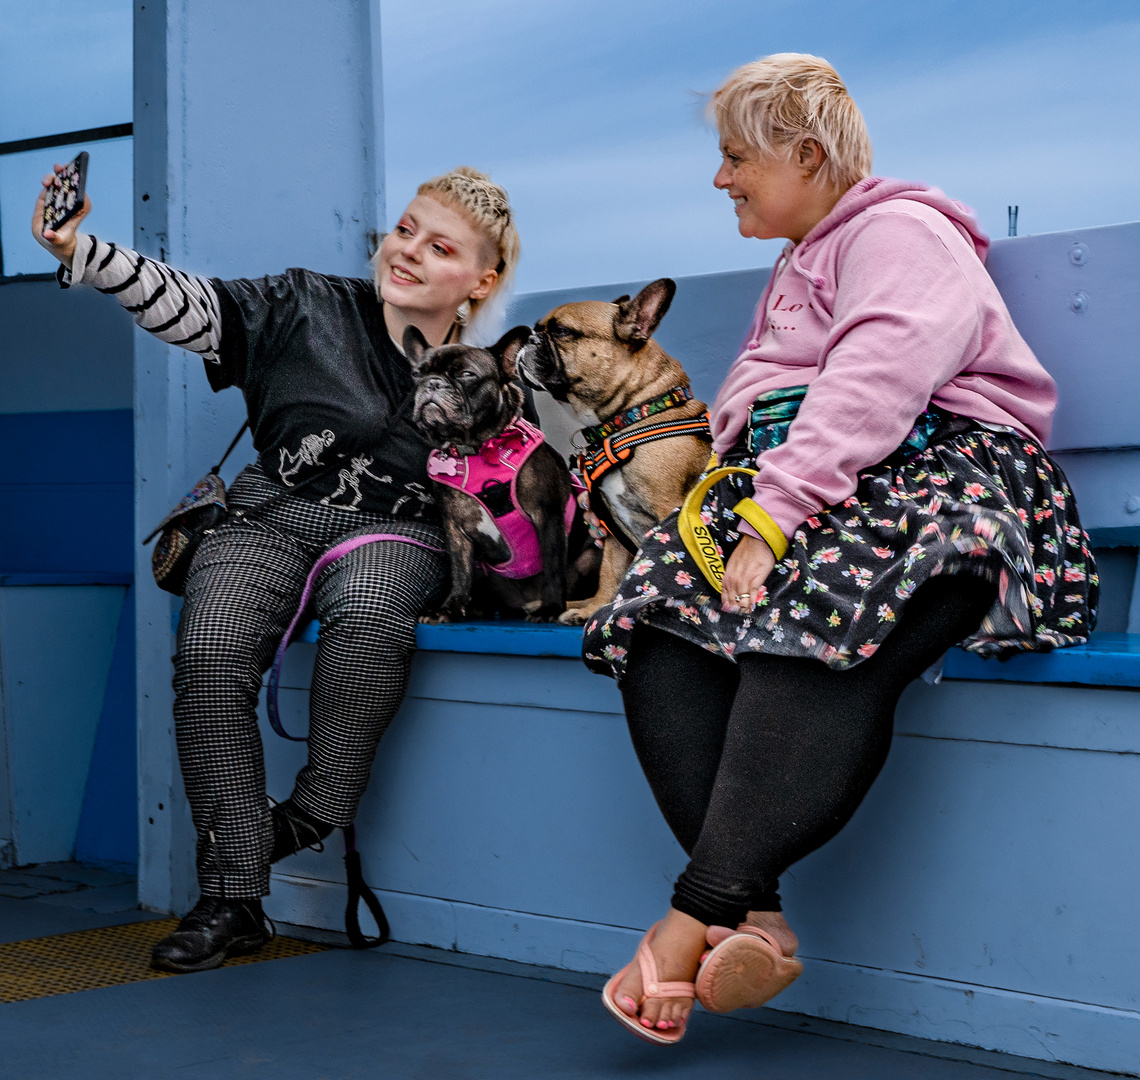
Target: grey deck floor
[(405, 1014)]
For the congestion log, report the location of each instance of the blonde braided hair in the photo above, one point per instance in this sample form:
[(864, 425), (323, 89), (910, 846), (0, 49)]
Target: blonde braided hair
[(489, 208)]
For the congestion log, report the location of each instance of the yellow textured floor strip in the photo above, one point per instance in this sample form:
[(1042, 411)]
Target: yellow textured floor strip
[(109, 956)]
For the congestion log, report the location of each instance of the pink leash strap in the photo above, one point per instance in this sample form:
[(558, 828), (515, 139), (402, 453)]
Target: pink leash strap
[(329, 557)]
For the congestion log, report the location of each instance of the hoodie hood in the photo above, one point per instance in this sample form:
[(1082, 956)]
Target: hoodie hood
[(877, 189)]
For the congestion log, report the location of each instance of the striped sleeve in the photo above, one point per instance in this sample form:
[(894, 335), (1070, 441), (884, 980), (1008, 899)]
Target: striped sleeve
[(181, 309)]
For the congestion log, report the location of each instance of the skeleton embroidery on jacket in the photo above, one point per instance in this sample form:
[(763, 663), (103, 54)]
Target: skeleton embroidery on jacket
[(350, 478), (417, 491), (309, 453)]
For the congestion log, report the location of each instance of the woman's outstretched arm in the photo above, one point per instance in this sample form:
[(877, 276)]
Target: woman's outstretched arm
[(181, 309)]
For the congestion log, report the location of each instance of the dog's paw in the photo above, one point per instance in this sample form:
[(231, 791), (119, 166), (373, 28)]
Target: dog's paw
[(573, 617), (543, 616), (434, 618)]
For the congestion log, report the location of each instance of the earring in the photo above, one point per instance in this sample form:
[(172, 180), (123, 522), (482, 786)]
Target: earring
[(463, 313)]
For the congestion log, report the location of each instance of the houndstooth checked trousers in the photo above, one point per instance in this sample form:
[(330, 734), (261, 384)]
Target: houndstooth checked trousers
[(243, 588)]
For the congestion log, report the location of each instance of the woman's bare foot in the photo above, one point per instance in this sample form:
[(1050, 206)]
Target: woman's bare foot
[(677, 948), (772, 922), (775, 924)]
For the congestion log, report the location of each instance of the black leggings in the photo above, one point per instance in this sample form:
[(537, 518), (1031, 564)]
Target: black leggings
[(756, 764)]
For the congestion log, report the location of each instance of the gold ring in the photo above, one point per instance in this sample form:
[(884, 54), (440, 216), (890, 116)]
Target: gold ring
[(741, 597)]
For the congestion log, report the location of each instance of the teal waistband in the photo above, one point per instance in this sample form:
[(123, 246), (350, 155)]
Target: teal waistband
[(773, 412)]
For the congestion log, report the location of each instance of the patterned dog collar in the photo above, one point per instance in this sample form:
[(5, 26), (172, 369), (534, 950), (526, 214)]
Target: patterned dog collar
[(668, 400)]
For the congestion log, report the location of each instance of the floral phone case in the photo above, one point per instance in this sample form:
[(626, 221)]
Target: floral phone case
[(65, 197)]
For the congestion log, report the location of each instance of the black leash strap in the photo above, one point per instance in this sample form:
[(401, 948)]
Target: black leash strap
[(358, 890), (230, 449)]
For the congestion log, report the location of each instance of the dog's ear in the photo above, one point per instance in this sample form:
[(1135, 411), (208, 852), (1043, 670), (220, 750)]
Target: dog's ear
[(415, 345), (621, 299), (636, 319), (506, 350)]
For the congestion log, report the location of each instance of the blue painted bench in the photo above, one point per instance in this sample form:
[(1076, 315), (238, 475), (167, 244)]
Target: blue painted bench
[(1109, 659), (984, 892)]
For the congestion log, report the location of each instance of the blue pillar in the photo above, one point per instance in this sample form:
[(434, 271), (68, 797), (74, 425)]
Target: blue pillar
[(258, 146)]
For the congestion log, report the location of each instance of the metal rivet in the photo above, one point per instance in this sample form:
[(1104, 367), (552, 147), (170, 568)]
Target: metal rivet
[(1079, 254), (652, 988), (1133, 504), (1079, 301)]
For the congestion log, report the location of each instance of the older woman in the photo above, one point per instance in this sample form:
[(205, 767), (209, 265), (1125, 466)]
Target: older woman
[(892, 499), (327, 389)]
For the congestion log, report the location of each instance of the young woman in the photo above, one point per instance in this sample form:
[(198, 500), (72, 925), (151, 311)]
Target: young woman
[(326, 384), (897, 501)]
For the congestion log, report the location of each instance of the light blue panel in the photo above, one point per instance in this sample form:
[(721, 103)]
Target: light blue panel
[(539, 682), (257, 147), (273, 171), (108, 830), (518, 808), (7, 832), (982, 894), (1063, 717), (55, 651), (985, 864), (108, 182), (1105, 484), (84, 363), (1073, 297)]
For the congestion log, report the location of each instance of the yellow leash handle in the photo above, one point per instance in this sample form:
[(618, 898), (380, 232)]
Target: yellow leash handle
[(698, 537)]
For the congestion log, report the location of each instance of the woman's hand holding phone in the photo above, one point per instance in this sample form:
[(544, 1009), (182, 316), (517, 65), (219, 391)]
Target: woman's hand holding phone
[(60, 242)]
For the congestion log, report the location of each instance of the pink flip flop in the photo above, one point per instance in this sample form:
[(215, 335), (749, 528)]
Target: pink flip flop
[(651, 987), (746, 970)]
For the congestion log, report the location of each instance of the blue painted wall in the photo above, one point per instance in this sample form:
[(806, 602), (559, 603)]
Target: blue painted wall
[(67, 488), (62, 350), (67, 482), (107, 833), (57, 642)]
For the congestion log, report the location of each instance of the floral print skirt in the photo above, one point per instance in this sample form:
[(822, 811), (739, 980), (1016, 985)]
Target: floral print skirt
[(972, 500)]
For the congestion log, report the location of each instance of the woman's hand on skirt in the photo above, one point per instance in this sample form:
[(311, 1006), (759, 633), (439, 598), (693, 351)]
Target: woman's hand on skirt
[(746, 571)]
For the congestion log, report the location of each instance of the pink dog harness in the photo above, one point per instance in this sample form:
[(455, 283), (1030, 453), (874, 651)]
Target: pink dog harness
[(490, 475)]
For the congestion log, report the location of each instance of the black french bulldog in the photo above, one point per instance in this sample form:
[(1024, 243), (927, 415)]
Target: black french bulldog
[(464, 397)]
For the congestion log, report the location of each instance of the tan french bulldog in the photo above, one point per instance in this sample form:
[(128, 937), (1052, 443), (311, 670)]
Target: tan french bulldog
[(600, 360)]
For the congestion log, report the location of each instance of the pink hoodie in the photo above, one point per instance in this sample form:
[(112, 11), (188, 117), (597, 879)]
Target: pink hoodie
[(884, 307)]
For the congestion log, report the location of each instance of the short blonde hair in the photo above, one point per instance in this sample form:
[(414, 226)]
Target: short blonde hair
[(489, 208), (776, 102)]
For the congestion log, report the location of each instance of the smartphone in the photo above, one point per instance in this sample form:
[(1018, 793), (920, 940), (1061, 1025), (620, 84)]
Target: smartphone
[(64, 199)]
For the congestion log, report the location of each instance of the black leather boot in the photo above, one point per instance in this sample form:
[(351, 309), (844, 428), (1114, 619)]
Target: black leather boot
[(294, 830), (214, 930)]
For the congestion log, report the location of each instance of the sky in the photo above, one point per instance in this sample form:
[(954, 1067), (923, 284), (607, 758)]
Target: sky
[(590, 111)]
